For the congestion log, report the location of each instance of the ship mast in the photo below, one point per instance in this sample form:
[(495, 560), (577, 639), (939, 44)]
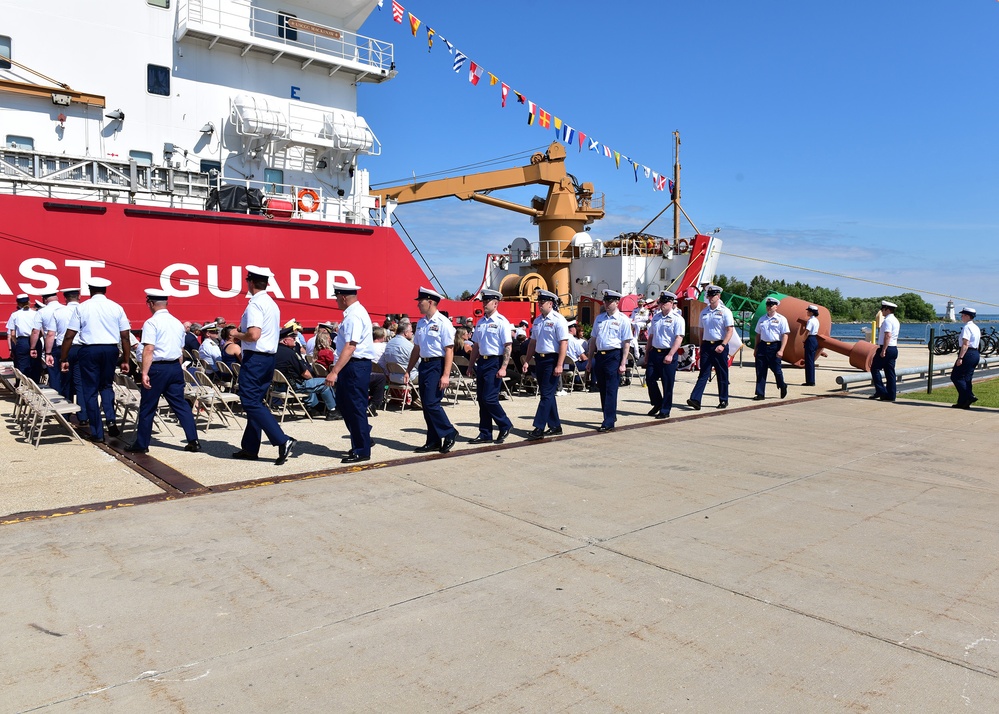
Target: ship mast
[(676, 189)]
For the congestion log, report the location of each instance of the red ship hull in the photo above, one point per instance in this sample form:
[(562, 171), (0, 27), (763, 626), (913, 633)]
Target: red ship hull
[(199, 257)]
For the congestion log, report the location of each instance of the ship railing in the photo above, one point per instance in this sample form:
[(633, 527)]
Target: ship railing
[(288, 200), (23, 169), (249, 26)]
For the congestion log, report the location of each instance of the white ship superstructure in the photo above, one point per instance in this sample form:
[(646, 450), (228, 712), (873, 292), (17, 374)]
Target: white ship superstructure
[(154, 101)]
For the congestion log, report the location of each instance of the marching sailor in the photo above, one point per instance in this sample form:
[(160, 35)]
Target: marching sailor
[(771, 339), (45, 322), (258, 333), (548, 344), (492, 345), (665, 337), (717, 329), (609, 346), (886, 355), (967, 359), (351, 374), (811, 345), (433, 347), (19, 327), (162, 374), (102, 328)]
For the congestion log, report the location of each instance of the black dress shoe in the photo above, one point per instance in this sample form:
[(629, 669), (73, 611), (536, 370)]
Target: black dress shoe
[(605, 429), (808, 384), (501, 436), (653, 411), (875, 396), (112, 429), (133, 449), (448, 443), (886, 399), (354, 458), (536, 434), (427, 448), (193, 446), (284, 451), (334, 416), (783, 391), (758, 398), (721, 405), (481, 440), (245, 455), (554, 431), (694, 403), (94, 438), (662, 416)]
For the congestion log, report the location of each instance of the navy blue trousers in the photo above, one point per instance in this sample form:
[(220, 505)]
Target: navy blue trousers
[(166, 379), (487, 390), (544, 372), (97, 365), (712, 360), (255, 377), (768, 361), (21, 356), (438, 425), (55, 374), (352, 399), (609, 381), (962, 375), (886, 363), (72, 380), (658, 373), (811, 348)]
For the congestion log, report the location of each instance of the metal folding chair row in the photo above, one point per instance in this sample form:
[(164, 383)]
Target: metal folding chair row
[(36, 405)]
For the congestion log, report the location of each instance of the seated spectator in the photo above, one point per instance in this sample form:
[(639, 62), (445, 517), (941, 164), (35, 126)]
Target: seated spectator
[(376, 385), (210, 350), (191, 343), (398, 350), (231, 351), (323, 349), (293, 366), (462, 343)]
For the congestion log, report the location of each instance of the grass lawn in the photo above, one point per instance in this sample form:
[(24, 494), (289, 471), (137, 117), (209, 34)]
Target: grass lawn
[(987, 392)]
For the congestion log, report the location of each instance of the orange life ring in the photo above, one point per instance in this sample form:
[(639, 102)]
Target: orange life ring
[(308, 200), (682, 246)]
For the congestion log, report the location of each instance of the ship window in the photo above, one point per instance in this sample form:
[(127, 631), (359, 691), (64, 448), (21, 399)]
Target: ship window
[(4, 52), (158, 80), (285, 32), (20, 142), (159, 3), (662, 273), (207, 166), (141, 158), (274, 177)]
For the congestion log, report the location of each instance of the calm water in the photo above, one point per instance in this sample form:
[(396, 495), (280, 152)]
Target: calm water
[(910, 331)]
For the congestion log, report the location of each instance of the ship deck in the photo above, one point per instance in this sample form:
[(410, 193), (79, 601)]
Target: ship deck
[(821, 553)]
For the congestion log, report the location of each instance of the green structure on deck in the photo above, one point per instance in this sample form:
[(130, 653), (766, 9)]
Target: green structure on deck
[(747, 313)]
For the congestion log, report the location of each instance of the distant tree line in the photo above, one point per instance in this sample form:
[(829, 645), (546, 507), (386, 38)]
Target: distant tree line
[(911, 307)]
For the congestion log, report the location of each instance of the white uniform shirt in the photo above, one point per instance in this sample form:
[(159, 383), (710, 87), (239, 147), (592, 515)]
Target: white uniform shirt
[(770, 329), (612, 332), (665, 328), (21, 323), (356, 327), (264, 313), (166, 334), (433, 335), (812, 326), (492, 335), (714, 323), (47, 317), (99, 321), (210, 352), (575, 349), (548, 332), (890, 325), (972, 333), (62, 318)]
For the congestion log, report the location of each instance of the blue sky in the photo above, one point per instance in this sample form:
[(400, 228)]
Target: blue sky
[(854, 137)]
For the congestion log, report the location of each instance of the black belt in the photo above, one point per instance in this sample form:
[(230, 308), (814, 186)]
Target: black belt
[(605, 352), (430, 359), (166, 361), (360, 359), (256, 352), (544, 354), (659, 349), (488, 356), (715, 342), (770, 343)]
